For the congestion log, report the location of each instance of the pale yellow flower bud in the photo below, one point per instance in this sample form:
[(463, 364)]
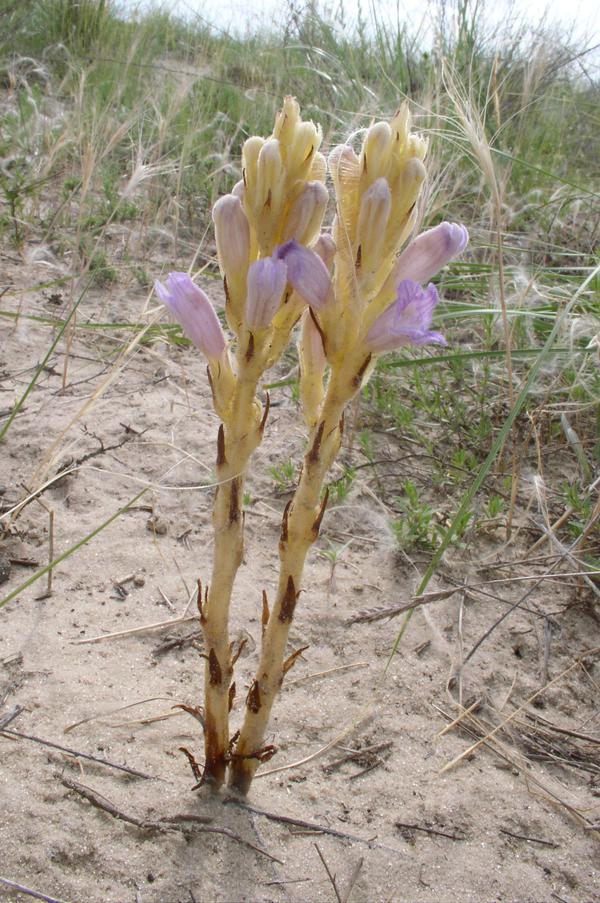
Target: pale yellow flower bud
[(375, 209), (405, 191), (417, 147), (286, 120), (318, 168), (375, 156), (312, 369), (250, 151), (269, 174), (325, 247), (305, 143)]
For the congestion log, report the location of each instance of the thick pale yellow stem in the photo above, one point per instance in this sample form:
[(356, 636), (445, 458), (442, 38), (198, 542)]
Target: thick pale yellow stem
[(300, 528), (237, 440)]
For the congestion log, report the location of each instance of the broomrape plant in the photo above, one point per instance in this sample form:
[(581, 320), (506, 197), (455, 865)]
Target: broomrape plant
[(357, 295)]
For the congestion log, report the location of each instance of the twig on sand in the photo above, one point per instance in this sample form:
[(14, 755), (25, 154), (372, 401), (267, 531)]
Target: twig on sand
[(79, 755), (157, 625), (546, 843), (27, 890), (308, 825), (353, 879), (520, 708), (184, 822), (329, 875), (379, 614), (6, 719), (408, 826)]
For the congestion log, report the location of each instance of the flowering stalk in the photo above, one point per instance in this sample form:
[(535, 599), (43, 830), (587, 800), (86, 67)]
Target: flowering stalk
[(251, 224), (376, 303), (358, 297)]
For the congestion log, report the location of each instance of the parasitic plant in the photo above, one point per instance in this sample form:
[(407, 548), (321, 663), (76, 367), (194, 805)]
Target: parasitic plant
[(359, 291)]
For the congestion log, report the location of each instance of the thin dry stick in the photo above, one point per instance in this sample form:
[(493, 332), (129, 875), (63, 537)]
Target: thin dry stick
[(329, 671), (503, 754), (157, 625), (29, 892), (519, 709), (120, 708), (329, 875), (184, 823), (546, 843), (79, 755), (353, 879), (435, 831), (309, 825)]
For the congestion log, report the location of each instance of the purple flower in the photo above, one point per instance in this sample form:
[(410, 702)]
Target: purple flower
[(267, 279), (306, 273), (430, 251), (194, 312), (407, 319)]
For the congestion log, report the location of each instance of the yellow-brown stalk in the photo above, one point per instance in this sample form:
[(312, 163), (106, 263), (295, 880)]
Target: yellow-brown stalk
[(300, 528)]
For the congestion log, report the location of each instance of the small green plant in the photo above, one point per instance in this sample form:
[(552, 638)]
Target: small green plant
[(415, 527), (284, 475), (339, 489), (102, 272), (581, 504)]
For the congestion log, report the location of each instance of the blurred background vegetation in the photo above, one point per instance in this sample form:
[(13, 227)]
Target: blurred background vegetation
[(132, 125)]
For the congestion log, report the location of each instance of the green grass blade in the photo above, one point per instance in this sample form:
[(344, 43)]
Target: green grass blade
[(487, 464), (71, 550), (41, 366)]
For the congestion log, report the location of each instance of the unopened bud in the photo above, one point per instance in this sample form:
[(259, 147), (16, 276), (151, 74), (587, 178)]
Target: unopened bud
[(307, 273), (232, 233), (430, 251), (318, 168), (375, 208), (306, 214), (306, 141), (239, 190), (376, 151), (194, 312), (267, 279), (269, 172), (312, 368), (417, 146), (325, 247), (250, 152)]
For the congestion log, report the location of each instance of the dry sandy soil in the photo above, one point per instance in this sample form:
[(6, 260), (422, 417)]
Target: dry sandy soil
[(360, 749)]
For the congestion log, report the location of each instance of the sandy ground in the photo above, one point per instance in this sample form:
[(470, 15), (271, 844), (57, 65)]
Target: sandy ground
[(510, 821)]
